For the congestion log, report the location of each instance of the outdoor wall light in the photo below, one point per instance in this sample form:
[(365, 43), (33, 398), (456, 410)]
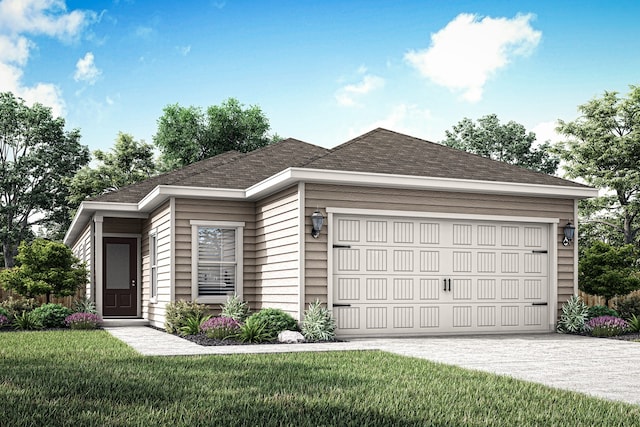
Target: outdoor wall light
[(569, 231), (317, 220)]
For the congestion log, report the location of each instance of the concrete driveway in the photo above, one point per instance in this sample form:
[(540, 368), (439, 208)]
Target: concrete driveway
[(600, 367)]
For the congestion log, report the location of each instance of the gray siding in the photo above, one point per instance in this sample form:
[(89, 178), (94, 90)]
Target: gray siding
[(160, 222), (277, 255), (427, 201)]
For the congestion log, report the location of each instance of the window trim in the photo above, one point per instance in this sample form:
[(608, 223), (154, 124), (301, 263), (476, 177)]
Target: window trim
[(239, 229), (153, 265)]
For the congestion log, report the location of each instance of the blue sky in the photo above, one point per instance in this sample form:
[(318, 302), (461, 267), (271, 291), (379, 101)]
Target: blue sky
[(323, 71)]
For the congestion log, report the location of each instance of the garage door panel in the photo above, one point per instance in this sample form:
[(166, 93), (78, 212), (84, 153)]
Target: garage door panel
[(416, 276), (348, 260)]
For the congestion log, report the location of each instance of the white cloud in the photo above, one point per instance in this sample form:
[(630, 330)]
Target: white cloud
[(48, 17), (20, 19), (184, 50), (469, 50), (86, 69), (404, 118), (546, 131), (348, 95)]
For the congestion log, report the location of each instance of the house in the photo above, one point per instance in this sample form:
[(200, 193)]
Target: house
[(417, 238)]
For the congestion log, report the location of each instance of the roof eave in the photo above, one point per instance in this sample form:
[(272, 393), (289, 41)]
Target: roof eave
[(162, 193), (290, 176), (87, 209)]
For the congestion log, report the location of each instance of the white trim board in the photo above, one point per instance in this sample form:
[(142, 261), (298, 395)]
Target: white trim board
[(440, 215)]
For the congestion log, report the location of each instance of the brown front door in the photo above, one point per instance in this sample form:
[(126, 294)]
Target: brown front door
[(120, 291)]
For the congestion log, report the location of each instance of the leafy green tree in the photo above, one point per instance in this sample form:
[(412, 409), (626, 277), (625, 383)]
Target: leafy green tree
[(603, 149), (46, 268), (509, 143), (37, 157), (187, 134), (128, 162), (608, 271)]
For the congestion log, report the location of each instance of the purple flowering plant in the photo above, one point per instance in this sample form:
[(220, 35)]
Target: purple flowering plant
[(220, 327), (83, 321), (606, 326), (4, 321)]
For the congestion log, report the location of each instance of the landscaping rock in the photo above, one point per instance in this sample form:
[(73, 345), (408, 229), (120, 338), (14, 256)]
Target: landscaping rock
[(290, 337)]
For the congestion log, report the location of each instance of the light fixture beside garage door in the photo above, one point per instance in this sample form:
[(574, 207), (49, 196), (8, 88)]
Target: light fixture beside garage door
[(317, 220), (569, 231)]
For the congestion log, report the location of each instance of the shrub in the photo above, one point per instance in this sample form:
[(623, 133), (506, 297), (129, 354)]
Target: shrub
[(83, 321), (606, 326), (235, 309), (574, 316), (4, 312), (44, 267), (16, 306), (27, 321), (634, 323), (52, 315), (601, 310), (178, 312), (84, 305), (254, 330), (4, 321), (192, 325), (608, 270), (318, 323), (629, 306), (275, 320), (220, 328)]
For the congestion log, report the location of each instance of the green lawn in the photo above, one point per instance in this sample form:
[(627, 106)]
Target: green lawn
[(80, 378)]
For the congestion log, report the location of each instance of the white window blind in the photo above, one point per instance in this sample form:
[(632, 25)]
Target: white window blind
[(217, 263)]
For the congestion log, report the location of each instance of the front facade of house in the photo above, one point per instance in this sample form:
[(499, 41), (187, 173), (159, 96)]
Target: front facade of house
[(408, 246)]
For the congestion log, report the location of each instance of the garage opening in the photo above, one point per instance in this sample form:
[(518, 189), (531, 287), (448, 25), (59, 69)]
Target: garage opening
[(422, 276)]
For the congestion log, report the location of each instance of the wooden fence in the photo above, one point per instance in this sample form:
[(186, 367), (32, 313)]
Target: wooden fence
[(66, 301), (596, 300)]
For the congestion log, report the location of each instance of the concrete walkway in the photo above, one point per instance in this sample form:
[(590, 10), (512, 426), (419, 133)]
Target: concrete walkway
[(603, 368)]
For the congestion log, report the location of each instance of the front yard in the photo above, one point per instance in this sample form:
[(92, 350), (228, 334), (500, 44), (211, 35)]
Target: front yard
[(90, 378)]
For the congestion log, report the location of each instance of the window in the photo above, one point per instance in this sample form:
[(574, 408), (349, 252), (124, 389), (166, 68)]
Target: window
[(153, 263), (217, 260)]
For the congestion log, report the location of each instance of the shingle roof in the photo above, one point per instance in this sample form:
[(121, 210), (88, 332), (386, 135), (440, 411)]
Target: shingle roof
[(385, 151), (378, 151), (228, 170)]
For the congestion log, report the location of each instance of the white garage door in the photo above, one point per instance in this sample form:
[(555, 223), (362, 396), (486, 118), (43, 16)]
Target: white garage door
[(395, 276)]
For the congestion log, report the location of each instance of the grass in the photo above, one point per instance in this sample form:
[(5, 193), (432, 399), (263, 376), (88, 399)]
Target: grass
[(82, 378)]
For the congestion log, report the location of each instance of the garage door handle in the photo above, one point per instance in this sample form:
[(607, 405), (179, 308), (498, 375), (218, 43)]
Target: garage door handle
[(342, 246), (342, 305), (445, 285), (539, 303), (540, 252), (449, 285)]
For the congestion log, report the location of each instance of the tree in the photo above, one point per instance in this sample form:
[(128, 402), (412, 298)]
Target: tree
[(603, 148), (44, 268), (37, 157), (608, 271), (128, 162), (509, 143), (187, 134)]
